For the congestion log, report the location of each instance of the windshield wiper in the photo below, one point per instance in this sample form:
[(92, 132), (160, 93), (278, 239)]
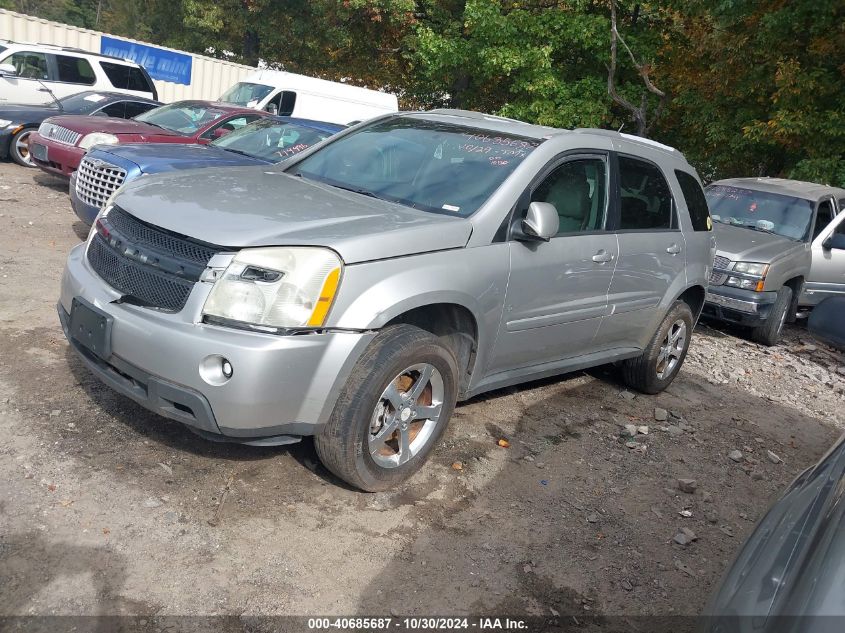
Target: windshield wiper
[(759, 228), (236, 151), (363, 192), (337, 185)]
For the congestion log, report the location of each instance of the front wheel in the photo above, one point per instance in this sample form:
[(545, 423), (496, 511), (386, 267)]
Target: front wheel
[(19, 148), (391, 411), (768, 334), (662, 358)]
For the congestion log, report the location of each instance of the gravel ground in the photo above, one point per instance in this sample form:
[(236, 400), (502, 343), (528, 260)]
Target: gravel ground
[(107, 509)]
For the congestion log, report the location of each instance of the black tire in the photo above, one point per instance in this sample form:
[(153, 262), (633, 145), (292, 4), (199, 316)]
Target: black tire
[(21, 157), (641, 373), (342, 443), (769, 333)]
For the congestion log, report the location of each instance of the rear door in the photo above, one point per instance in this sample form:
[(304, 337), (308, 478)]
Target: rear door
[(651, 253), (70, 74), (557, 291), (827, 269)]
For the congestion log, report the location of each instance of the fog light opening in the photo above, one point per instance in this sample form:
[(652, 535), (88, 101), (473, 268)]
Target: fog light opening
[(227, 368), (216, 370)]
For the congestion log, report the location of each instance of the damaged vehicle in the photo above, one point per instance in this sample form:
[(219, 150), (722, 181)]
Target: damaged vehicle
[(356, 292), (779, 249)]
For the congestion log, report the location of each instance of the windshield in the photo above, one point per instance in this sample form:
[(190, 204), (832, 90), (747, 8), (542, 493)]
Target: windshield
[(185, 118), (760, 210), (246, 94), (438, 167), (84, 102), (271, 140)]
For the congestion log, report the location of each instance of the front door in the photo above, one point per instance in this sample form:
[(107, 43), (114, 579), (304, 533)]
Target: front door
[(651, 254), (557, 291), (28, 86), (827, 270)]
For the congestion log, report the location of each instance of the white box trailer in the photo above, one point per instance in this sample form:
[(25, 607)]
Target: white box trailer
[(289, 94)]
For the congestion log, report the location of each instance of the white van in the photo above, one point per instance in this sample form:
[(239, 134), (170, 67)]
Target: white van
[(288, 94)]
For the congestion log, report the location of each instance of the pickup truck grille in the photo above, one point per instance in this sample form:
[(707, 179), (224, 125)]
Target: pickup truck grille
[(149, 265), (58, 133), (717, 278), (96, 180)]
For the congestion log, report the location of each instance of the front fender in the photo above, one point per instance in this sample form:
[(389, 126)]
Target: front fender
[(374, 293)]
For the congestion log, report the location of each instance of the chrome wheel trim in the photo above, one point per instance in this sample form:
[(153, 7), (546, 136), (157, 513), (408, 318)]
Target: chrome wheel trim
[(406, 415), (671, 349), (22, 147)]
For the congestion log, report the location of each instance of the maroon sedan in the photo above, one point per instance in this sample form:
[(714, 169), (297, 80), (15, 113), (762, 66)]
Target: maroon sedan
[(61, 141)]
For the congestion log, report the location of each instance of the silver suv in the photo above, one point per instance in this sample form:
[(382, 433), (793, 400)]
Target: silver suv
[(357, 292)]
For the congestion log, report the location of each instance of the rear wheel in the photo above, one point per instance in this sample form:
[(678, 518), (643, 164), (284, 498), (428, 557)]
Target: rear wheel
[(662, 358), (392, 410), (769, 333), (19, 148)]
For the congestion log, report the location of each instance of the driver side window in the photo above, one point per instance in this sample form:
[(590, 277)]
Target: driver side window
[(578, 190), (29, 65), (824, 216)]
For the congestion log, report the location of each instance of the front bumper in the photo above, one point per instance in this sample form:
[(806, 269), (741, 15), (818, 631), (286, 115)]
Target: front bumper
[(5, 141), (736, 305), (281, 385), (62, 160)]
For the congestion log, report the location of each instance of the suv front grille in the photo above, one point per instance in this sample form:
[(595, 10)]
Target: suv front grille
[(96, 180), (717, 278), (58, 133), (147, 264)]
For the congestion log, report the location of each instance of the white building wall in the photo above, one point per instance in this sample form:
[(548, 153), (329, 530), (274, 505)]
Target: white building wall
[(209, 77)]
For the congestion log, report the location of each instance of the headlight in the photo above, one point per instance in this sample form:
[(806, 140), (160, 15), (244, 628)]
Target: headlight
[(5, 122), (745, 284), (750, 268), (277, 287), (98, 138)]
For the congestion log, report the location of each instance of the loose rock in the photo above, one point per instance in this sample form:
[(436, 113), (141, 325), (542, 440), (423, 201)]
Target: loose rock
[(152, 502), (773, 457), (674, 431), (735, 455), (685, 536), (661, 415), (687, 485), (593, 518)]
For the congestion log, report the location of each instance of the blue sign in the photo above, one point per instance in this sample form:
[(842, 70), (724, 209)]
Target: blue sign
[(160, 63)]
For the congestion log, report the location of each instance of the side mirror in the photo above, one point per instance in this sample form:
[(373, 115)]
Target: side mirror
[(541, 221), (8, 70), (272, 108), (835, 241)]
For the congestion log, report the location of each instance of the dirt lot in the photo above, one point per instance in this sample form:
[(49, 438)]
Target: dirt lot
[(105, 508)]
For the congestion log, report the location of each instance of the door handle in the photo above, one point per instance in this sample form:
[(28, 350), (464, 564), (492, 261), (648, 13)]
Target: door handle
[(602, 257), (674, 249)]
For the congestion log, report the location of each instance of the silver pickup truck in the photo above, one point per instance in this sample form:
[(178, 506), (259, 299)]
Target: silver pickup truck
[(356, 293), (780, 247)]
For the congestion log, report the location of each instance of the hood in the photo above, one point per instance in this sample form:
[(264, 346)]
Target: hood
[(794, 561), (153, 158), (260, 206), (747, 245), (87, 124)]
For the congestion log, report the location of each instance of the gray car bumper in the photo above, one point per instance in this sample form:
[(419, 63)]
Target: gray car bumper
[(738, 306), (281, 385)]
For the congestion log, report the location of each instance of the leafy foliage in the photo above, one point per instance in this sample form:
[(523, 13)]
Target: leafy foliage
[(753, 88)]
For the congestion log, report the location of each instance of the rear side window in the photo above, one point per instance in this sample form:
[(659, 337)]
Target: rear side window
[(134, 108), (696, 202), (75, 70), (645, 198), (126, 77), (113, 109)]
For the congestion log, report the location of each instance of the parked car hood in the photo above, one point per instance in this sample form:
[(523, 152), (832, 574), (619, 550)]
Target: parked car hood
[(153, 158), (794, 561), (87, 124), (747, 245), (263, 206)]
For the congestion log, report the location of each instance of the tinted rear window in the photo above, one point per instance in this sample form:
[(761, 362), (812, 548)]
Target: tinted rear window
[(126, 77), (696, 202), (75, 70)]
